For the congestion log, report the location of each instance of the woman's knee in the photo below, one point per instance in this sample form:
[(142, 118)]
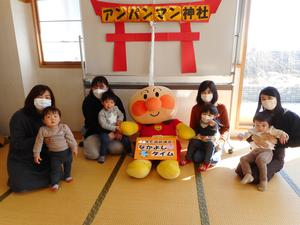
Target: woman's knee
[(91, 147), (243, 159)]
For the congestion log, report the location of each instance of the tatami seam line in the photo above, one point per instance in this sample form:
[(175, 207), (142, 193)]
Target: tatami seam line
[(6, 194), (201, 198), (94, 210), (290, 182)]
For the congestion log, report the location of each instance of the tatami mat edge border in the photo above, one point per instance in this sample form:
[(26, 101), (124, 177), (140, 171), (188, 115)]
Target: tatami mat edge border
[(290, 182), (91, 216), (201, 198), (6, 194)]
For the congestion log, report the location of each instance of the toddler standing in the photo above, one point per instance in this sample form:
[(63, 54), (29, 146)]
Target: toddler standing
[(60, 142)]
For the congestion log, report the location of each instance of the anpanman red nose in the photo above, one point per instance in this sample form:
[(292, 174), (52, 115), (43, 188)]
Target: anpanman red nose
[(153, 104)]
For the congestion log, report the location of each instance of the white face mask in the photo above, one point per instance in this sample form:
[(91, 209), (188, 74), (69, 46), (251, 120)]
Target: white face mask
[(41, 103), (99, 92), (206, 97), (269, 104), (206, 118)]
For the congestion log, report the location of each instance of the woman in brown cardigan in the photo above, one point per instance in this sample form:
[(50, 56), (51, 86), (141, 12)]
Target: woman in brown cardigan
[(207, 93)]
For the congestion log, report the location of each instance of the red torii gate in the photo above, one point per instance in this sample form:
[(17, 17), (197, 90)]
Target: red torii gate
[(185, 36)]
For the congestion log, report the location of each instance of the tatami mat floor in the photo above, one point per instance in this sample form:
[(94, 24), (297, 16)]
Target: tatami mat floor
[(102, 194)]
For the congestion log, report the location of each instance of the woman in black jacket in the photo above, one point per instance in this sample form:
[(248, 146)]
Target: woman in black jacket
[(23, 173), (91, 107), (283, 119)]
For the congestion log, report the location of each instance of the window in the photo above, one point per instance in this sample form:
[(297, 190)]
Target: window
[(58, 27), (273, 55)]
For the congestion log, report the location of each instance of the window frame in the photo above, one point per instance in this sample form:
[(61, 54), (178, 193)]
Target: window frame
[(243, 53), (42, 62), (241, 66)]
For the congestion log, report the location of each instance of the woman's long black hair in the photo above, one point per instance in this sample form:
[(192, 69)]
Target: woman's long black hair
[(202, 87), (270, 91)]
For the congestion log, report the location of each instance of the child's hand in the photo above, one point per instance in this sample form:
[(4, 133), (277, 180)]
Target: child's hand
[(118, 136), (111, 136), (212, 123), (118, 128), (118, 122), (240, 136), (47, 140), (75, 152), (283, 138), (37, 159)]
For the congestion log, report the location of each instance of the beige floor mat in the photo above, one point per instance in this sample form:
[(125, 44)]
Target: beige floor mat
[(229, 202), (219, 198), (151, 200), (3, 170), (68, 206), (292, 166)]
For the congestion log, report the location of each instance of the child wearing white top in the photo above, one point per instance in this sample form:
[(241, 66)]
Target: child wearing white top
[(262, 138)]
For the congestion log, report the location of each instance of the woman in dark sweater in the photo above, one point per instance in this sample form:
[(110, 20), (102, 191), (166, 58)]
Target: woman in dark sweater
[(23, 173), (283, 119), (91, 107)]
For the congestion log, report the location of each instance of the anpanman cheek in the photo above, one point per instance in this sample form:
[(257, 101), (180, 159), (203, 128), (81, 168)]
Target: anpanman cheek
[(167, 102), (138, 108)]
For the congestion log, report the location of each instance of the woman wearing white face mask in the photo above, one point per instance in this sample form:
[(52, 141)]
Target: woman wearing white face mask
[(207, 93), (91, 107), (283, 119), (23, 173)]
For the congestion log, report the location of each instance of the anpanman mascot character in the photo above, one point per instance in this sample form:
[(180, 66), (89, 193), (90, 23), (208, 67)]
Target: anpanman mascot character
[(153, 109)]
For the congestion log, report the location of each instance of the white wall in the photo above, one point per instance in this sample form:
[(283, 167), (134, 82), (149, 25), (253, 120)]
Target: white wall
[(11, 87), (24, 38), (67, 86)]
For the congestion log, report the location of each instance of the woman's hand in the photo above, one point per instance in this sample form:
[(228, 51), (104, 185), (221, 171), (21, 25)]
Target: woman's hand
[(37, 159), (283, 138), (240, 136)]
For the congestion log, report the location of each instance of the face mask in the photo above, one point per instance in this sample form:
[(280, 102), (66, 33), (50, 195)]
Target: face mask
[(269, 104), (41, 103), (99, 92), (206, 118), (206, 97)]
